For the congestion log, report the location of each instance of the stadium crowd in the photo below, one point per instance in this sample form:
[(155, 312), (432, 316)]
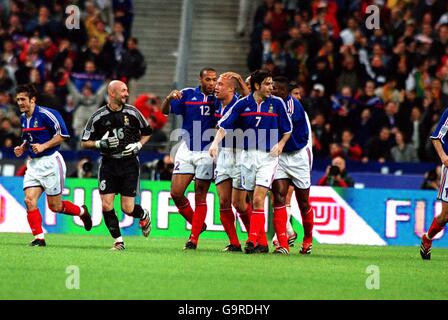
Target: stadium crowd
[(69, 67), (371, 94)]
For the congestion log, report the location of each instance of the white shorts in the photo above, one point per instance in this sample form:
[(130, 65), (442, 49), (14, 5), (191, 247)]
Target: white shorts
[(442, 195), (228, 166), (296, 166), (257, 169), (47, 172), (197, 163)]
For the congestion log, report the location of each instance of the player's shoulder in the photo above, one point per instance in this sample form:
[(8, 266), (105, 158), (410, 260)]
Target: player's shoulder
[(130, 107), (277, 100), (100, 112), (47, 111), (188, 90)]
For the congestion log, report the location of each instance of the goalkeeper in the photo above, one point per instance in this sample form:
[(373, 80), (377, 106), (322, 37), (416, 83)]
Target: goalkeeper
[(118, 130)]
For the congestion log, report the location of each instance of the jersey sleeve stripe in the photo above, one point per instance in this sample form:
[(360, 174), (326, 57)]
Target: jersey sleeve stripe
[(52, 117)]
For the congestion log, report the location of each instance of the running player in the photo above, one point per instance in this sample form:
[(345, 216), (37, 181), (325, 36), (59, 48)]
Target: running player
[(440, 142), (43, 131), (119, 131)]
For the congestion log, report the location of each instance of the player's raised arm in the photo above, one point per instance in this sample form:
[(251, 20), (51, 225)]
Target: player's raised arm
[(166, 105)]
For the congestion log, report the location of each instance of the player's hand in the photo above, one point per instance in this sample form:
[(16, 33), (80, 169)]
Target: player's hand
[(19, 150), (107, 143), (175, 94), (445, 161), (132, 149), (276, 150), (38, 148), (213, 151)]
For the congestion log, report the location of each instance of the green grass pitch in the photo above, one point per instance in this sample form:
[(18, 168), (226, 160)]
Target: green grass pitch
[(157, 268)]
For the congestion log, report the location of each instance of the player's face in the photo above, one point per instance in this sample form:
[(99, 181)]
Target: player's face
[(296, 93), (208, 82), (279, 90), (24, 102), (121, 94), (266, 87), (223, 88)]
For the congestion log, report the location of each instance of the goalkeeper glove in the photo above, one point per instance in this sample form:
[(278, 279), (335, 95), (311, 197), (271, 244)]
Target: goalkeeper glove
[(107, 143), (132, 149)]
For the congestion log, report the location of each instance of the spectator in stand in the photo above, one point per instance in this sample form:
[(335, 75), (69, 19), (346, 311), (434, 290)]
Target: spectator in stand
[(350, 149), (90, 75), (378, 147), (277, 20), (403, 151), (336, 175), (322, 134), (123, 11), (132, 67)]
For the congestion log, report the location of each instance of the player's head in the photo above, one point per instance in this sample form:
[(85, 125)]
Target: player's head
[(207, 78), (261, 82), (225, 87), (281, 87), (297, 91), (26, 97), (117, 92)]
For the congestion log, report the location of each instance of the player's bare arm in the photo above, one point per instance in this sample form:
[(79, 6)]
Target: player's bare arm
[(439, 148), (213, 150), (55, 141), (278, 148), (19, 150), (175, 94)]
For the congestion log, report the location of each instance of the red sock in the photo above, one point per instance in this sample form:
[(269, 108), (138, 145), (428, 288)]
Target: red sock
[(262, 239), (253, 230), (280, 218), (186, 211), (228, 221), (245, 217), (70, 208), (35, 221), (308, 223), (435, 228), (200, 212)]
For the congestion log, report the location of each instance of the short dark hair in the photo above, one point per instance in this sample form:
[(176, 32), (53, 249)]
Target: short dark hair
[(134, 39), (257, 77), (28, 88), (283, 81), (203, 70)]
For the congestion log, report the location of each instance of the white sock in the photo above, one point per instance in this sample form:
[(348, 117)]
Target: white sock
[(119, 239), (39, 236), (289, 228)]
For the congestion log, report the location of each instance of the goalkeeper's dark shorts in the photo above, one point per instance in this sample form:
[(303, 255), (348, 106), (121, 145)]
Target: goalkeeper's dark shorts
[(119, 176)]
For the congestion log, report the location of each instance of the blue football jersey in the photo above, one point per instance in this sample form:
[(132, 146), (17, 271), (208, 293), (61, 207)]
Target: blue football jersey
[(228, 141), (441, 130), (263, 124), (198, 113), (41, 127), (301, 126)]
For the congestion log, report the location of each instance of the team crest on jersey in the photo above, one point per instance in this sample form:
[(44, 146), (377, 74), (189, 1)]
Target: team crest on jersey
[(271, 109), (36, 123), (126, 120)]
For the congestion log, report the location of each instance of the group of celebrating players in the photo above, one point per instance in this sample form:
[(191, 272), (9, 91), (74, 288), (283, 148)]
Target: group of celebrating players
[(262, 143), (248, 142)]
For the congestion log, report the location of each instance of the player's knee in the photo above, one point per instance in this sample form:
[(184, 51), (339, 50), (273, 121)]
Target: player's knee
[(258, 202), (107, 206), (55, 207), (176, 196), (30, 203), (128, 210), (225, 202), (279, 199), (240, 206)]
